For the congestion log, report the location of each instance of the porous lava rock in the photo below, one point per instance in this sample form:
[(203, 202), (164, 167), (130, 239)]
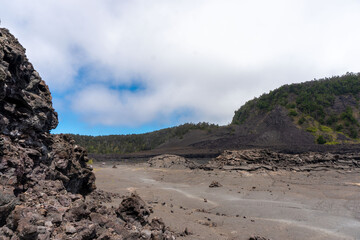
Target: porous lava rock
[(215, 184), (258, 238), (256, 159), (46, 189), (29, 153), (25, 100), (171, 161), (134, 209)]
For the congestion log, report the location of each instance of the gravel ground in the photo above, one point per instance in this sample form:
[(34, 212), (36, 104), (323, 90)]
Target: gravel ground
[(276, 205)]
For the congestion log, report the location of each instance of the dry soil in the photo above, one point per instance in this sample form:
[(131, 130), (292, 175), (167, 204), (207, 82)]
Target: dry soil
[(276, 205)]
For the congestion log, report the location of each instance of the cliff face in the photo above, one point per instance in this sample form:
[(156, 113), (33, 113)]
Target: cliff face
[(46, 189), (25, 100), (29, 152)]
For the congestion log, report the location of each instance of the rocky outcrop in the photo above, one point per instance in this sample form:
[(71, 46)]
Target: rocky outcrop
[(171, 161), (46, 188), (48, 211), (256, 159), (29, 153), (24, 96)]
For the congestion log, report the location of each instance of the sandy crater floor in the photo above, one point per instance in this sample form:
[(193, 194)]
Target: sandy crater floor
[(277, 205)]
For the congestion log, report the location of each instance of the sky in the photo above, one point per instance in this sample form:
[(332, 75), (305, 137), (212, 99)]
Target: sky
[(122, 67)]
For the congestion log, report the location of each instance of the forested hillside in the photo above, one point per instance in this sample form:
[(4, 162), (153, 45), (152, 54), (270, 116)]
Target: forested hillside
[(137, 142), (328, 108)]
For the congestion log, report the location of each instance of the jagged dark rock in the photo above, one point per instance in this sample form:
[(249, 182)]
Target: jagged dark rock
[(258, 238), (133, 209), (255, 159), (214, 184), (29, 152), (8, 202), (24, 95), (171, 161), (46, 188)]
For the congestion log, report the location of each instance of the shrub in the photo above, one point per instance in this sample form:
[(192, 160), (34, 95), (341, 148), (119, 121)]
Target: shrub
[(325, 128), (353, 133), (331, 119), (339, 127), (291, 105), (311, 129), (348, 115), (301, 120), (293, 113), (321, 140)]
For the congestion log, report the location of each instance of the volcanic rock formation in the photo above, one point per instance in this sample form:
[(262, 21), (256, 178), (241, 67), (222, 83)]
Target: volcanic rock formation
[(44, 180), (255, 159), (171, 161)]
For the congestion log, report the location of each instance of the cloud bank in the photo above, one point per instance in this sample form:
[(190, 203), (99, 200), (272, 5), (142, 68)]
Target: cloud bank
[(129, 63)]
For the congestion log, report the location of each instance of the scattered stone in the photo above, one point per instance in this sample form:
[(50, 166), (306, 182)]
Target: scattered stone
[(201, 210), (258, 238), (146, 234), (69, 229), (215, 184), (186, 232), (207, 223)]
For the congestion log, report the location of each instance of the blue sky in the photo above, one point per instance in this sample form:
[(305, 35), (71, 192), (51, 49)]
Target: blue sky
[(120, 67)]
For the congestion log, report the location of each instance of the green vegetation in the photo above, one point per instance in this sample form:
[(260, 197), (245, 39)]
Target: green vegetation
[(90, 162), (293, 113), (301, 120), (332, 143), (120, 144), (348, 116), (311, 129), (321, 140), (339, 127), (311, 106), (325, 129)]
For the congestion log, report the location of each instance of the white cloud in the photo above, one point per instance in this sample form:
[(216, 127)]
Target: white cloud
[(207, 56)]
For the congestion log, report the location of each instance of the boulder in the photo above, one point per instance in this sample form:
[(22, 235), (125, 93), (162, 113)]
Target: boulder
[(133, 209)]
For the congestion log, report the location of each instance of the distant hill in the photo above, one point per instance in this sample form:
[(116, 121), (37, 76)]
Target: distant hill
[(313, 113), (327, 108), (120, 144)]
